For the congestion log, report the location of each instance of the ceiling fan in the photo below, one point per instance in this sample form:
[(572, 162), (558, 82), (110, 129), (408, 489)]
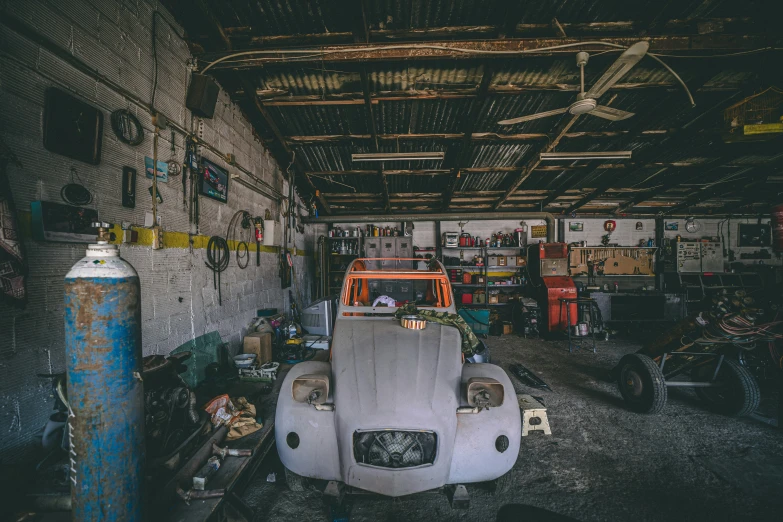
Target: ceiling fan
[(586, 101)]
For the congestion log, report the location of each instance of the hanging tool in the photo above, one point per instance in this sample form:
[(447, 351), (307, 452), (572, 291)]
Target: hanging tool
[(217, 261), (174, 167), (527, 377), (259, 226)]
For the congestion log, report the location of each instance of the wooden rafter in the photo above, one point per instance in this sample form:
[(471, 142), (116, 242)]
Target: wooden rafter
[(536, 160), (491, 49), (370, 119), (476, 136), (289, 157), (468, 124)]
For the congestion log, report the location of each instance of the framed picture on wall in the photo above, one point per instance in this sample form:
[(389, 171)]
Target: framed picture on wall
[(213, 182), (576, 226), (671, 225)]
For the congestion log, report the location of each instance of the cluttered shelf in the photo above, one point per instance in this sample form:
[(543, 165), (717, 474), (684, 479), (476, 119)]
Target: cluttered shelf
[(454, 267), (465, 305), (482, 285), (613, 275)]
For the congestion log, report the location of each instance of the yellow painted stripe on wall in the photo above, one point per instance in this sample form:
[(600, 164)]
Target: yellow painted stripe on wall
[(171, 239)]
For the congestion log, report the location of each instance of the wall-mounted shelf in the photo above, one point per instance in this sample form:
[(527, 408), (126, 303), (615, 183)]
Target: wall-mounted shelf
[(612, 248), (483, 304)]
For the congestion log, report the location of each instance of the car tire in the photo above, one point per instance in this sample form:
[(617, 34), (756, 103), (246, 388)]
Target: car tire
[(641, 384), (739, 397), (295, 482)]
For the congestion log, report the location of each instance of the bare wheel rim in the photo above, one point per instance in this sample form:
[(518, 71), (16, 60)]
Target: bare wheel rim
[(633, 383)]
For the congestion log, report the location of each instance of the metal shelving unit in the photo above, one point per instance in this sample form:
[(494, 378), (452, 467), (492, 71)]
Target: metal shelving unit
[(335, 277)]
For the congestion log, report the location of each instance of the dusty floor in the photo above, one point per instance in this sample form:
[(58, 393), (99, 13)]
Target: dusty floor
[(602, 462)]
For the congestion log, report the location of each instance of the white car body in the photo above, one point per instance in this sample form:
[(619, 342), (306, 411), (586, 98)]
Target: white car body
[(385, 379)]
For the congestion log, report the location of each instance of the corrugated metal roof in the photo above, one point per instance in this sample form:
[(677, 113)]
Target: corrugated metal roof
[(409, 14), (538, 83), (499, 155), (321, 119), (280, 17), (481, 181), (310, 81)]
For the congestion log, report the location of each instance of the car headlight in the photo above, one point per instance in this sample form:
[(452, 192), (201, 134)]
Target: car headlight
[(484, 392), (311, 388)]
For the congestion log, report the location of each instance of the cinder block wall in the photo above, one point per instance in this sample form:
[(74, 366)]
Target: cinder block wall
[(178, 298)]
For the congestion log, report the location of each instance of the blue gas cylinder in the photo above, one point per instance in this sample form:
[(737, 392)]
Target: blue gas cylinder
[(105, 391)]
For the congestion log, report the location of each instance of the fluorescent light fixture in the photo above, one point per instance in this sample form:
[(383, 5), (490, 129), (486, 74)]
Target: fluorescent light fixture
[(392, 156), (566, 156)]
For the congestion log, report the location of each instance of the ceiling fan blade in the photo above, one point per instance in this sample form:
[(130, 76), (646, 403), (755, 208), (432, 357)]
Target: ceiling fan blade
[(535, 116), (610, 113), (618, 69)]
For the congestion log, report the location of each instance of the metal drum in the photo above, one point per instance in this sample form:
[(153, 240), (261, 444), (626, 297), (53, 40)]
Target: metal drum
[(105, 391)]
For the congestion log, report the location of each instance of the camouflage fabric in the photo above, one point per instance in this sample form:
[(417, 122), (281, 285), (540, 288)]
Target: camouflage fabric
[(470, 343)]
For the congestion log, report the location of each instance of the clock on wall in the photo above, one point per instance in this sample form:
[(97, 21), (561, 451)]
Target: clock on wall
[(72, 127)]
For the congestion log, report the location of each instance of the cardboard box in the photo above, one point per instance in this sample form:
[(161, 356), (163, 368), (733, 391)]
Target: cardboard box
[(501, 260), (493, 298), (479, 297), (508, 328), (521, 261), (259, 343), (511, 260)]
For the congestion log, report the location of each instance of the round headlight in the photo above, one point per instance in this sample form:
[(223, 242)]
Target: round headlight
[(292, 439), (501, 443)]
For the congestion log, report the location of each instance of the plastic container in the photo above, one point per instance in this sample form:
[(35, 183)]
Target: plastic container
[(244, 360), (478, 320)]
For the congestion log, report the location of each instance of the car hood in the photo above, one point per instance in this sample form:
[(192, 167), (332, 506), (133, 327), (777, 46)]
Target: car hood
[(388, 377)]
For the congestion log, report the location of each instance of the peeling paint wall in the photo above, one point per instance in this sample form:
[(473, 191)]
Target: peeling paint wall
[(178, 297)]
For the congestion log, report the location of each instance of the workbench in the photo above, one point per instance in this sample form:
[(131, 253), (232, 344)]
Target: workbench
[(644, 306), (235, 472)]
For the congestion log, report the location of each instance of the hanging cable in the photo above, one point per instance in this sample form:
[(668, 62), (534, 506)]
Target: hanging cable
[(305, 54), (245, 220), (243, 255), (217, 261)]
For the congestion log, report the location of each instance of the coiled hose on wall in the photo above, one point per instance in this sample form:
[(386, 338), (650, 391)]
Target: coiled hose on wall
[(217, 261)]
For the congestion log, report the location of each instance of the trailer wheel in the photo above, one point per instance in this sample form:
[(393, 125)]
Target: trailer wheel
[(641, 383), (739, 395), (295, 482)]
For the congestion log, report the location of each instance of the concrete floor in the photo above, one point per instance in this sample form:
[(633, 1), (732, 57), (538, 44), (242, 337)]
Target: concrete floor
[(602, 462)]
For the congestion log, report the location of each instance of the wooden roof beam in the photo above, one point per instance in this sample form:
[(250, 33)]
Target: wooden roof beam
[(370, 119), (492, 49), (289, 157), (476, 136), (533, 163), (468, 124)]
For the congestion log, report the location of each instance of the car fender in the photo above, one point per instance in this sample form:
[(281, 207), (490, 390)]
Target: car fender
[(475, 456), (316, 455)]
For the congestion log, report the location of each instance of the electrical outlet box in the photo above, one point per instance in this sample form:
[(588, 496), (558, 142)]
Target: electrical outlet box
[(148, 222), (157, 238), (130, 236)]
